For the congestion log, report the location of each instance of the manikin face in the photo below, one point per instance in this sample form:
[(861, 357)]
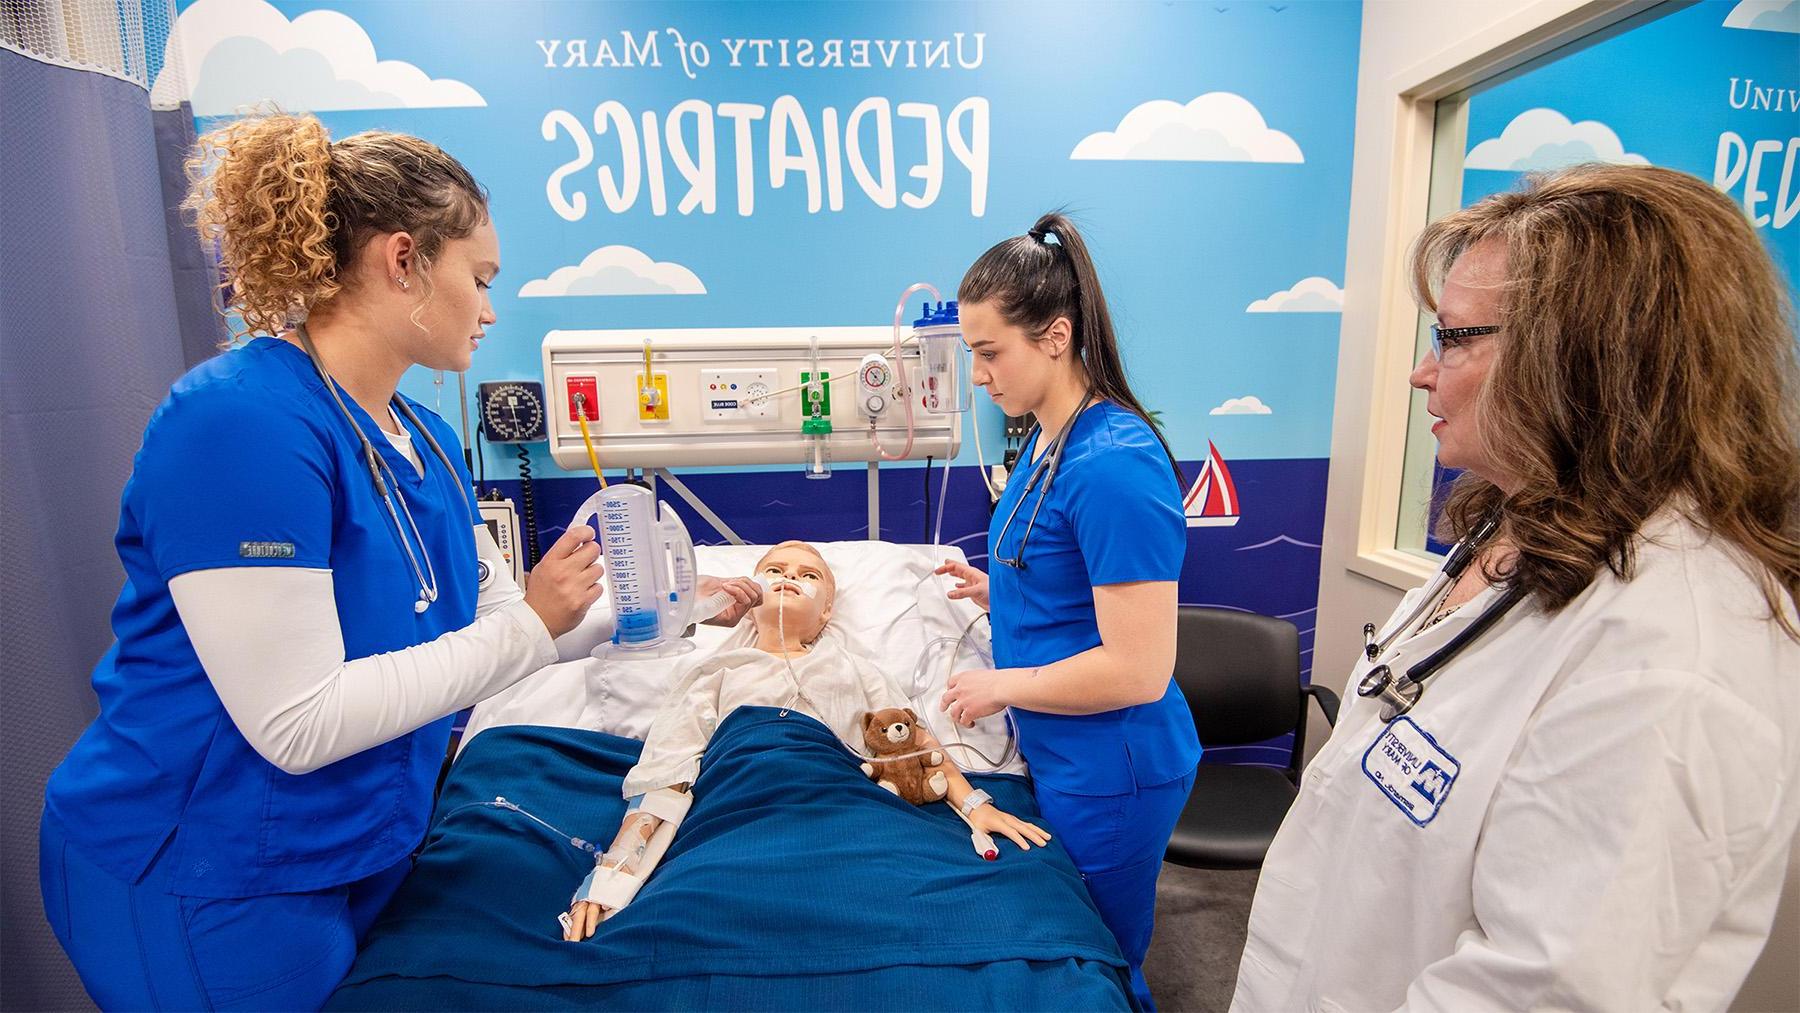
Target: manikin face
[(792, 571), (1471, 298), (1016, 369)]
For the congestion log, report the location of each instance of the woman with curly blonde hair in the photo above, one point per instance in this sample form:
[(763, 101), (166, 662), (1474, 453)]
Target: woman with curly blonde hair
[(1570, 779), (302, 610)]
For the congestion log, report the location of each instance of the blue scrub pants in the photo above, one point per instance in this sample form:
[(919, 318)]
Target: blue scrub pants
[(1117, 842), (139, 947)]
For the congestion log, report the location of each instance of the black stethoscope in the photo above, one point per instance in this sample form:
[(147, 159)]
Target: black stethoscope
[(1046, 469), (1398, 695), (387, 484)]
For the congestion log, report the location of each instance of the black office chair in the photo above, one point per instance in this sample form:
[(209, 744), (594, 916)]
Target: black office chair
[(1240, 673)]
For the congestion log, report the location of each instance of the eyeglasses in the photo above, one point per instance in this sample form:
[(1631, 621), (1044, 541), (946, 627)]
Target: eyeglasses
[(1455, 336)]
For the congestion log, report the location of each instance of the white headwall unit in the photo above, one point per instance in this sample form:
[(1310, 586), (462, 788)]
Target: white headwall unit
[(695, 434)]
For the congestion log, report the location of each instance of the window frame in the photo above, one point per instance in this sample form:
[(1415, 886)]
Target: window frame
[(1414, 94)]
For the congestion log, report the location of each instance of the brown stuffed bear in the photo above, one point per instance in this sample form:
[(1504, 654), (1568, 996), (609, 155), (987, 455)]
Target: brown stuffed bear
[(894, 732)]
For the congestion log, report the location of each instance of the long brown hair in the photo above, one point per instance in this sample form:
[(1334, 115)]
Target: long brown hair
[(1646, 358), (288, 208), (1032, 281)]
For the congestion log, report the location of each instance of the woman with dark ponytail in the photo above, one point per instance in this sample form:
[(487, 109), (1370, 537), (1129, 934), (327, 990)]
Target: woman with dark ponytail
[(1086, 546), (302, 610)]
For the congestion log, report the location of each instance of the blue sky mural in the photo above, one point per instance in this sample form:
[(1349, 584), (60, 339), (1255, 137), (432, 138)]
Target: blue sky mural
[(1712, 89), (722, 165), (1211, 176)]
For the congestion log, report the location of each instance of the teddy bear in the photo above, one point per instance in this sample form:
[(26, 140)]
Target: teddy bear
[(895, 732)]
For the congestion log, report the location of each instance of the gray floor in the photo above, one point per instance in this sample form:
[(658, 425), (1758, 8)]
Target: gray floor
[(1200, 920)]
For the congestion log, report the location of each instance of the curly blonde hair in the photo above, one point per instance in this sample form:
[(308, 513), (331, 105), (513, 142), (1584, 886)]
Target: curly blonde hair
[(286, 208), (1646, 358)]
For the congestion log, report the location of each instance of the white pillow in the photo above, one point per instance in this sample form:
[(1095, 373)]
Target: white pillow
[(889, 608)]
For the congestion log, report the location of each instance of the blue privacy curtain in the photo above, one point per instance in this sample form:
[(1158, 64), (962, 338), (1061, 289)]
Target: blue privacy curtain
[(104, 301)]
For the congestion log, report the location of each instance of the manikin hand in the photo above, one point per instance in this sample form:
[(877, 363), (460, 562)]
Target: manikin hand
[(745, 593), (991, 819), (627, 848)]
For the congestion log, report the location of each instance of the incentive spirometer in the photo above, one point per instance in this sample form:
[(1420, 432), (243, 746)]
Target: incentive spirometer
[(650, 572)]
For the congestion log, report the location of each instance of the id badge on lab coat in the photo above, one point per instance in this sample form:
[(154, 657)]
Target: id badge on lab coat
[(1411, 769)]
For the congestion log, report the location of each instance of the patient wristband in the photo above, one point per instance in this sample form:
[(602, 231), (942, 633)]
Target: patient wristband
[(973, 799)]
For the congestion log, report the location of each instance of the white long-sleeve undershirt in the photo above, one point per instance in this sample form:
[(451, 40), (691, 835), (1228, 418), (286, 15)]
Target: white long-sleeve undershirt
[(270, 642)]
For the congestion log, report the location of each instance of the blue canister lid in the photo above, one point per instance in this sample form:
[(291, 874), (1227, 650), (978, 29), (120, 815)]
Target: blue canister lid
[(944, 314)]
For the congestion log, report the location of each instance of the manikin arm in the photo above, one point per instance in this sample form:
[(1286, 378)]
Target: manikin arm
[(644, 835), (985, 817)]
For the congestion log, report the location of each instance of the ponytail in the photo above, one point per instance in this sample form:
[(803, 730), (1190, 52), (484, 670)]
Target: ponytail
[(287, 209), (1032, 281), (260, 192)]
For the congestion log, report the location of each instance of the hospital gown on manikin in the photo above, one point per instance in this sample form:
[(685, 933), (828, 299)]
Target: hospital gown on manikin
[(838, 686)]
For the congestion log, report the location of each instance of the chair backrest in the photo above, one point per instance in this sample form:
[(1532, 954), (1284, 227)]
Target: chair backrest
[(1240, 673)]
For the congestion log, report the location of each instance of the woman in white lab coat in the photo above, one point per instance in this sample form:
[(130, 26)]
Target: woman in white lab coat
[(1590, 804)]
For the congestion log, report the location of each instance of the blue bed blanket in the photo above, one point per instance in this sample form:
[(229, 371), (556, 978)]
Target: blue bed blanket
[(791, 868)]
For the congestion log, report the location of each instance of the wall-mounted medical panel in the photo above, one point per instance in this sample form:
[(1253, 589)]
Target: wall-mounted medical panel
[(725, 396)]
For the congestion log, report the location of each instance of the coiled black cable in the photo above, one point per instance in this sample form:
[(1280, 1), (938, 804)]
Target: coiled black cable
[(528, 505)]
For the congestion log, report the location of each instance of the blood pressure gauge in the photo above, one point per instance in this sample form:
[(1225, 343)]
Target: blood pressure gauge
[(512, 411)]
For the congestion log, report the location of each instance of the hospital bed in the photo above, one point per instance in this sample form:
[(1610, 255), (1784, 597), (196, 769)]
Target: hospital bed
[(794, 883)]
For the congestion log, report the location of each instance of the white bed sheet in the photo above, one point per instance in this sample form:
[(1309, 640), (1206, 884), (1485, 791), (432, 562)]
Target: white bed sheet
[(890, 607)]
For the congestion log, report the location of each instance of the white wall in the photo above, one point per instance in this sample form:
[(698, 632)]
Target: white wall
[(1396, 35)]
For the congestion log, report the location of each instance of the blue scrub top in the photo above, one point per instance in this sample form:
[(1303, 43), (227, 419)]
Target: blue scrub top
[(249, 462), (1113, 516)]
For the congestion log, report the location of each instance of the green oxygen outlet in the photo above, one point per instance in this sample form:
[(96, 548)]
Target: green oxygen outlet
[(815, 404)]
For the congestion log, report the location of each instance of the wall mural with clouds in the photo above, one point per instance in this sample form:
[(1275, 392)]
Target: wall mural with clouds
[(729, 165), (1711, 88), (1725, 80)]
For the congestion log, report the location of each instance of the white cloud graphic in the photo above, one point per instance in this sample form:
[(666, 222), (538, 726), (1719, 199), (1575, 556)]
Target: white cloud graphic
[(240, 53), (617, 270), (1765, 15), (1216, 127), (1309, 295), (1545, 139), (1249, 404)]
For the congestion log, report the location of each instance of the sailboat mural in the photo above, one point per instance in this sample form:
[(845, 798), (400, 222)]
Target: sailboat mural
[(1213, 500)]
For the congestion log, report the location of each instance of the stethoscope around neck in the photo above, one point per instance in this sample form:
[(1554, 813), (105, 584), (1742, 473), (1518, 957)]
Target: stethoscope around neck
[(1046, 469), (387, 485), (1398, 694)]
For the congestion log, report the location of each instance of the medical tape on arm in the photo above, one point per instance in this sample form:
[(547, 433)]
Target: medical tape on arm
[(613, 887)]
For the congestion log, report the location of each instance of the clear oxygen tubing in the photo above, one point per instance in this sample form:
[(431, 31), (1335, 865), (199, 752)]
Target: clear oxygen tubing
[(937, 531), (986, 479), (707, 610), (799, 694), (904, 387)]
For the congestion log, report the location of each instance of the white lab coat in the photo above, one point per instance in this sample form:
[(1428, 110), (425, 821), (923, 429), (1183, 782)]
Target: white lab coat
[(1610, 830)]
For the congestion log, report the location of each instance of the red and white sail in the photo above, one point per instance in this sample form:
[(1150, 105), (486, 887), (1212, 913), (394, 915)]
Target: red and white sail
[(1213, 500)]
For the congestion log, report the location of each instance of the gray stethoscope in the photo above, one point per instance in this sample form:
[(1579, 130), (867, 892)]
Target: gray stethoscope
[(1046, 468), (387, 487), (1397, 695)]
